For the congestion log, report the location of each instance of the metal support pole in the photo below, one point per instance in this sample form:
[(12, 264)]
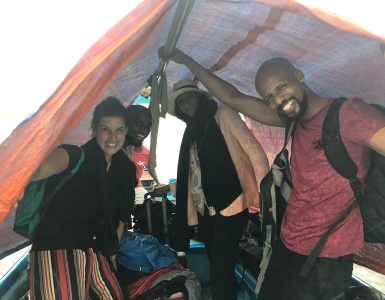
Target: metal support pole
[(165, 220), (147, 200)]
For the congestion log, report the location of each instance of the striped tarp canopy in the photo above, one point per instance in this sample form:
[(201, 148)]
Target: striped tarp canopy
[(338, 55)]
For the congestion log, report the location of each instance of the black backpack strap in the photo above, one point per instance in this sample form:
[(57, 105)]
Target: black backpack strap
[(333, 145), (321, 243), (340, 160), (335, 150)]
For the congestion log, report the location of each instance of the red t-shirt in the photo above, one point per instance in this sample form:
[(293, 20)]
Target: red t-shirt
[(320, 194), (140, 157)]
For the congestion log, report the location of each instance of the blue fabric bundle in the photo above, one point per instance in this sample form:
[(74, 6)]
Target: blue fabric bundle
[(141, 252)]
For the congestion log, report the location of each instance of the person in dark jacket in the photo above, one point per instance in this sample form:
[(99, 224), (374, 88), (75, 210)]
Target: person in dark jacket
[(74, 247), (219, 170)]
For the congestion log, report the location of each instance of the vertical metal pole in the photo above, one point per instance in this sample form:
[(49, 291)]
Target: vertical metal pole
[(148, 213), (165, 221), (182, 11)]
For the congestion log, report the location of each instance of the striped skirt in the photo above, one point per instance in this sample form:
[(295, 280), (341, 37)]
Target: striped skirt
[(72, 274)]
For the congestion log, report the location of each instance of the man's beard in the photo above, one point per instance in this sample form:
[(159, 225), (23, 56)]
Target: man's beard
[(302, 109)]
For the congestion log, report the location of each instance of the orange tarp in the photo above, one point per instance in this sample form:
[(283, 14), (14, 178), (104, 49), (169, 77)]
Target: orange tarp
[(31, 141)]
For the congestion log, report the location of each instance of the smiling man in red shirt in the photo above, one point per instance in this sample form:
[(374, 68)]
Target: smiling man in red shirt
[(138, 120)]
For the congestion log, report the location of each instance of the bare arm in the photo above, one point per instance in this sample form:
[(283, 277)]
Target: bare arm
[(252, 107), (377, 141), (164, 189), (55, 163), (159, 191)]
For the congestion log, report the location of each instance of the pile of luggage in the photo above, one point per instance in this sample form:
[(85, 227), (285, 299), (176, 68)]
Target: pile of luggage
[(148, 268)]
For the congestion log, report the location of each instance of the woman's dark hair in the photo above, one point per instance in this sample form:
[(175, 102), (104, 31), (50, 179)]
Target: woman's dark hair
[(109, 107)]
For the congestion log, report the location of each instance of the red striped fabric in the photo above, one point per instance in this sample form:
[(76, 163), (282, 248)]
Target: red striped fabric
[(72, 274)]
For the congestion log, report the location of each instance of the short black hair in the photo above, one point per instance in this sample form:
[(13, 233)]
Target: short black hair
[(109, 107), (135, 111)]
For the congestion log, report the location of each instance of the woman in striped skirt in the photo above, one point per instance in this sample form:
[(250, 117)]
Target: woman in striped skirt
[(74, 247)]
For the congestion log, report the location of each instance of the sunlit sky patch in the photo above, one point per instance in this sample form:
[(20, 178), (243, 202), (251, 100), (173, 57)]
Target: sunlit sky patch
[(41, 40)]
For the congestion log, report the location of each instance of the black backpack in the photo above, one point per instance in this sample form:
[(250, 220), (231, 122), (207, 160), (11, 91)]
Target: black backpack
[(371, 201)]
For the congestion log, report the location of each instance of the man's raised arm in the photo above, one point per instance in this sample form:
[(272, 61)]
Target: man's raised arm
[(252, 107)]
